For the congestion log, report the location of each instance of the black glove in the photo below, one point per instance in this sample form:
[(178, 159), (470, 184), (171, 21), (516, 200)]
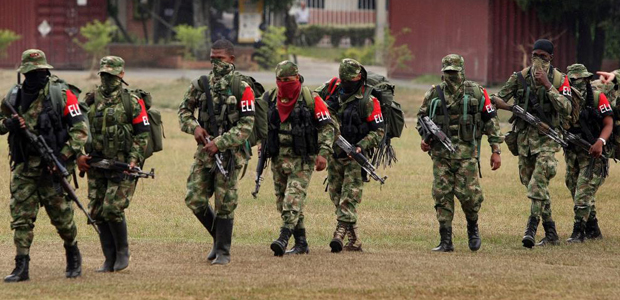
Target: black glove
[(12, 124)]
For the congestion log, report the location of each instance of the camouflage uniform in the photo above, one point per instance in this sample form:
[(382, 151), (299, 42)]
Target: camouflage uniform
[(203, 181), (456, 174), (292, 172), (537, 163), (344, 175), (585, 174), (114, 137), (31, 184)]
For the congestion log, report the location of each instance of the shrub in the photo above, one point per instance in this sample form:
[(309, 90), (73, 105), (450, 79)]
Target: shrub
[(191, 38), (365, 55), (7, 37), (272, 50), (358, 34), (98, 35)]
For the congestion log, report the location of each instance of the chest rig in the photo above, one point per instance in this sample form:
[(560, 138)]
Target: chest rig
[(463, 116), (219, 112), (534, 99), (111, 126)]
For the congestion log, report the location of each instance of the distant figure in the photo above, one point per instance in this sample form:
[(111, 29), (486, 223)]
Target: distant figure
[(303, 14)]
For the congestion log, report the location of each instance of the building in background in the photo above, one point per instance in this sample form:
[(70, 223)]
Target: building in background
[(494, 36), (339, 12)]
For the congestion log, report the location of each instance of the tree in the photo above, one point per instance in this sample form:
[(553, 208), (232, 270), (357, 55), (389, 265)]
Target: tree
[(7, 37), (191, 38), (588, 20), (98, 35)]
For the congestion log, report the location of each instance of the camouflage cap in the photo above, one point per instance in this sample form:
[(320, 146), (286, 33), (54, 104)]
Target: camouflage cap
[(349, 69), (111, 65), (576, 71), (33, 59), (286, 68), (452, 62)]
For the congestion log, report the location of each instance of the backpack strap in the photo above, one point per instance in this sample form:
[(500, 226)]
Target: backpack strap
[(235, 86), (331, 87), (307, 96), (209, 102), (55, 91), (126, 99), (444, 107)]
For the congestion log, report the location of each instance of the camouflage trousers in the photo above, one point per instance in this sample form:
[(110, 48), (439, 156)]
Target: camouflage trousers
[(291, 177), (29, 191), (456, 177), (344, 176), (109, 196), (204, 181), (535, 172), (583, 183)]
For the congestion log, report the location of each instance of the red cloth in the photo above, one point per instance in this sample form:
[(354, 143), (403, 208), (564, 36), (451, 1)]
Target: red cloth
[(287, 90)]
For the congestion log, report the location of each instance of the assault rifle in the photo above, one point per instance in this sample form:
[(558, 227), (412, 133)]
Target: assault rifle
[(218, 160), (532, 120), (46, 153), (578, 141), (118, 166), (350, 150), (429, 130), (260, 167)]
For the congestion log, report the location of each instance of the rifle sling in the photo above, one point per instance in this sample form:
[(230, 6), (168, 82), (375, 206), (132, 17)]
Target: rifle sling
[(212, 121), (444, 107), (532, 99)]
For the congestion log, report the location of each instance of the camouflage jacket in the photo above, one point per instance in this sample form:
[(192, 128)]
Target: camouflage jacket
[(77, 130), (238, 134), (529, 139), (325, 126), (130, 136), (371, 114), (488, 124)]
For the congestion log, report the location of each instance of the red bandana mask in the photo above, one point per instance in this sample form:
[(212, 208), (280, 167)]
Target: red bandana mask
[(287, 90)]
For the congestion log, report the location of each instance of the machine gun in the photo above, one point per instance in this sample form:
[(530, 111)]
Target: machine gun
[(350, 150), (429, 130), (118, 166), (260, 167)]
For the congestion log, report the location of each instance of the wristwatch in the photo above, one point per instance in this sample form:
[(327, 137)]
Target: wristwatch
[(498, 151), (603, 140)]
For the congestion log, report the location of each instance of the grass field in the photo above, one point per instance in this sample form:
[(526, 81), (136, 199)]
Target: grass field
[(397, 225)]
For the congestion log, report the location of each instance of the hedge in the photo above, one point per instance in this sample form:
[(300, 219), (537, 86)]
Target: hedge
[(358, 34)]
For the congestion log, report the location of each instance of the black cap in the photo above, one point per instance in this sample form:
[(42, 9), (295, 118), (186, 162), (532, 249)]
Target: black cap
[(545, 45)]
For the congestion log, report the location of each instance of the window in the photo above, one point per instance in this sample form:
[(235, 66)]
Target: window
[(366, 4), (315, 3)]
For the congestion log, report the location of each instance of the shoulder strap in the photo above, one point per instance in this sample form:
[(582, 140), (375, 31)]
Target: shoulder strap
[(307, 96), (126, 99), (55, 91), (331, 87), (235, 85), (444, 106), (207, 89)]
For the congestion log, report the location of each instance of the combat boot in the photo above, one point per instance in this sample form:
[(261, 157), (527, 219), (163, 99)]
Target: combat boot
[(108, 247), (529, 238), (279, 246), (336, 243), (20, 273), (119, 232), (74, 261), (207, 219), (445, 245), (593, 232), (301, 245), (579, 232), (551, 235), (355, 243), (223, 240), (474, 235)]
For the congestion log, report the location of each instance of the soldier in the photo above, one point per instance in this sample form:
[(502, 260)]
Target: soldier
[(586, 170), (456, 174), (545, 92), (229, 135), (119, 135), (47, 106), (361, 124), (293, 109)]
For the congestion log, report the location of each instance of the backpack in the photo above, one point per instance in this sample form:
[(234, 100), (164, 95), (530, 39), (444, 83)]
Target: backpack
[(156, 135), (392, 112)]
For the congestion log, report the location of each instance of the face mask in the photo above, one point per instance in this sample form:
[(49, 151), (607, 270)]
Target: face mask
[(454, 80), (221, 68), (110, 83), (350, 87), (35, 81), (539, 63), (580, 85), (288, 89)]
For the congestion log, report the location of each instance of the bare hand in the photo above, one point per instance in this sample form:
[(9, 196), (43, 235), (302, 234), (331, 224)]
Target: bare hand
[(541, 77), (425, 147), (496, 161), (357, 150), (200, 135), (606, 77), (320, 163), (597, 149), (82, 162), (211, 148)]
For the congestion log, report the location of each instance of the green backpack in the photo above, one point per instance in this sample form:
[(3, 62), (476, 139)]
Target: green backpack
[(157, 135)]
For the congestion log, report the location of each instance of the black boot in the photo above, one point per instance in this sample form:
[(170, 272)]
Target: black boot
[(74, 261), (20, 273), (279, 246), (336, 243), (108, 247), (223, 240), (529, 238), (593, 232), (474, 235), (207, 219), (551, 235), (301, 245), (445, 245), (579, 232), (119, 232)]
